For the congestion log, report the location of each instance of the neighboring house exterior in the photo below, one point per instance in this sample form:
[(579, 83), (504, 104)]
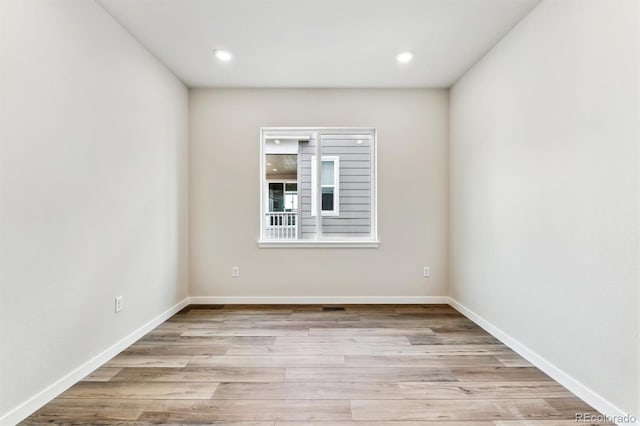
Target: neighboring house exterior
[(352, 208)]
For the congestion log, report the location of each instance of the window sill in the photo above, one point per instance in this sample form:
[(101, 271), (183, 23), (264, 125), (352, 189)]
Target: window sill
[(318, 244)]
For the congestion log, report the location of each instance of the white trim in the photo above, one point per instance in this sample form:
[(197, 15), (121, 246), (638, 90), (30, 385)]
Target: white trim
[(262, 177), (318, 300), (308, 131), (318, 244), (286, 136), (580, 390), (336, 185), (374, 194), (317, 174), (34, 403)]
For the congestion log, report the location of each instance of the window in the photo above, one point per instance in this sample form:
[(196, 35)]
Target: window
[(283, 196), (330, 178), (304, 171)]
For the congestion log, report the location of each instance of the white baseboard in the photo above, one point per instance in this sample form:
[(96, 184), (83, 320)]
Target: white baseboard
[(317, 300), (34, 403), (580, 390)]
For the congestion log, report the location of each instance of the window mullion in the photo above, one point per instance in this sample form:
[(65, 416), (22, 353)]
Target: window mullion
[(318, 187)]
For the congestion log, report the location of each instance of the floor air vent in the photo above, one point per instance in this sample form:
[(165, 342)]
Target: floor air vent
[(332, 308), (206, 306)]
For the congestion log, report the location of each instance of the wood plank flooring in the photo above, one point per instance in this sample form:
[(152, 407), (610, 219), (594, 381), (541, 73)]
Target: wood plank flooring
[(379, 365)]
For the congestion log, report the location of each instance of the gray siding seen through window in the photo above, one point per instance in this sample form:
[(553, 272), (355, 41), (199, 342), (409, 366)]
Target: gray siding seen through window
[(354, 187)]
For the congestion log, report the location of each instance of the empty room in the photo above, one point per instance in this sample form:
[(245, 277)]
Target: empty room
[(320, 212)]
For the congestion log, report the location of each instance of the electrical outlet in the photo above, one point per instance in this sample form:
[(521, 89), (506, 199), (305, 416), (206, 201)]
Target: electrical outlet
[(427, 271), (119, 304), (235, 272)]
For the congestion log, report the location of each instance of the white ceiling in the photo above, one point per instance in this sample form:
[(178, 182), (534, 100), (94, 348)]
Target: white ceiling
[(319, 43)]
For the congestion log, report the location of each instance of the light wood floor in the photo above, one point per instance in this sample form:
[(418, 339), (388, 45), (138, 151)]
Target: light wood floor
[(400, 365)]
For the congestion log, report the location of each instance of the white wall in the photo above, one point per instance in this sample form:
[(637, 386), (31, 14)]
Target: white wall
[(412, 190), (544, 190), (93, 189)]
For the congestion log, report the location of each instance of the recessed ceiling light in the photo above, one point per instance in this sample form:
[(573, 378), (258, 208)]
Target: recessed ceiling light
[(269, 164), (223, 55), (404, 57), (359, 141), (275, 170), (277, 141)]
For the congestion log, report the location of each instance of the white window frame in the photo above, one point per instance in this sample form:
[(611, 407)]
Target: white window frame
[(302, 133), (336, 185)]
